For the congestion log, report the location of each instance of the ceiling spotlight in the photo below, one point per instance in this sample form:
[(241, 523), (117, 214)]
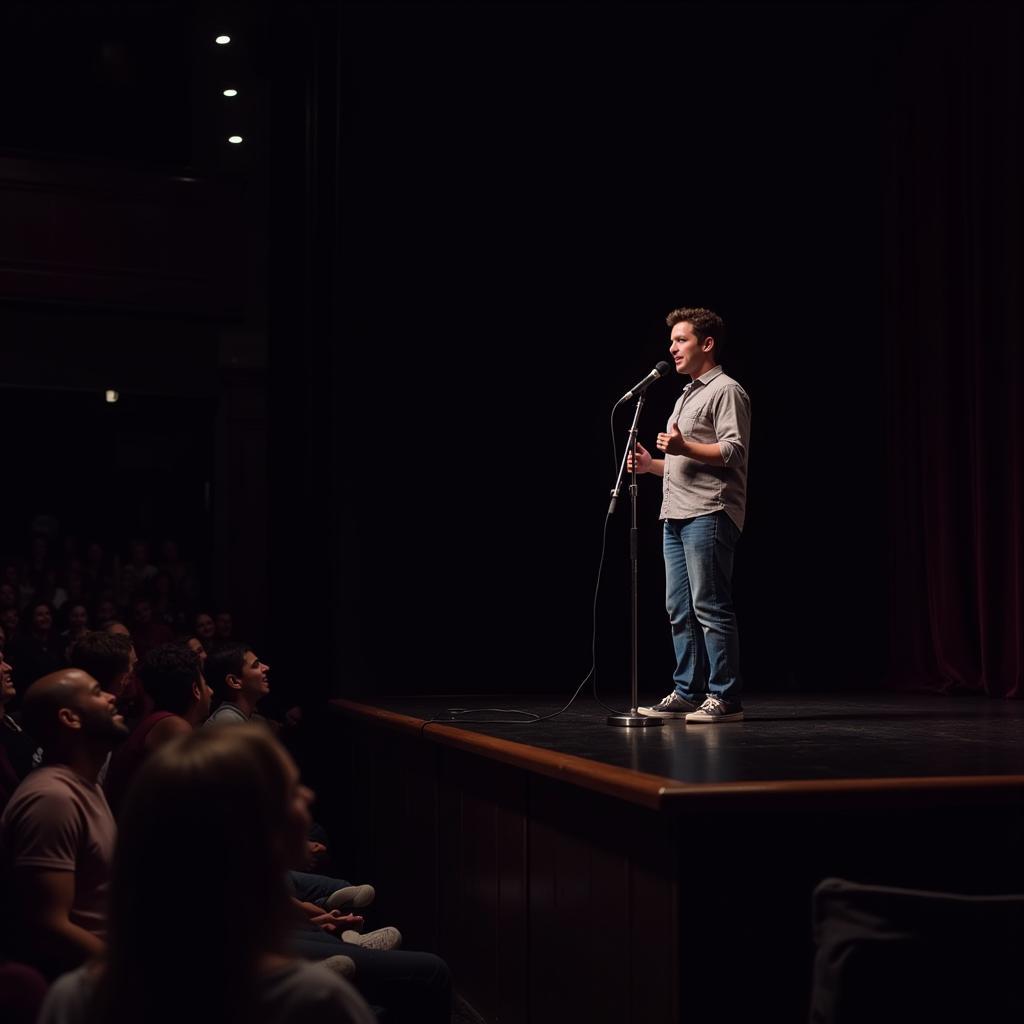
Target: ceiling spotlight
[(222, 40), (230, 92), (111, 395), (236, 139)]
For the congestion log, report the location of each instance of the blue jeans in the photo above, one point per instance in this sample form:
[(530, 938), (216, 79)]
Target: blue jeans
[(413, 988), (698, 597), (314, 888)]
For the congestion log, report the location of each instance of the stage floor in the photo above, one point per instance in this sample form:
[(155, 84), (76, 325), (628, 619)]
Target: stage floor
[(784, 737)]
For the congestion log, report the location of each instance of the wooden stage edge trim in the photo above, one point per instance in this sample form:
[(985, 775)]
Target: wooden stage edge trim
[(658, 792)]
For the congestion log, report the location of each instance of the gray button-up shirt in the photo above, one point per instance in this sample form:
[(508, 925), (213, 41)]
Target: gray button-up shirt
[(713, 409)]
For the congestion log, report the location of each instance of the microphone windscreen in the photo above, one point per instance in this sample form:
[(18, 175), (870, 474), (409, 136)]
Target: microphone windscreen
[(663, 368)]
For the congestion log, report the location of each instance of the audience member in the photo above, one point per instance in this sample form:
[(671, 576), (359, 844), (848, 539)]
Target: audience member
[(136, 573), (16, 743), (181, 572), (10, 621), (193, 644), (12, 577), (106, 655), (106, 612), (230, 801), (205, 630), (134, 702), (57, 832), (38, 571), (98, 572), (8, 597), (239, 680), (78, 626), (37, 650), (172, 677), (75, 583), (22, 990), (164, 602), (9, 782), (224, 628), (146, 631)]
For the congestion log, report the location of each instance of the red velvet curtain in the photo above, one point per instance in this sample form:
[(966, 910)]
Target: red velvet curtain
[(950, 355)]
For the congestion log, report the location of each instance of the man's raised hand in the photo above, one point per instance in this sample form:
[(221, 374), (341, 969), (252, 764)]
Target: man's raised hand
[(671, 444)]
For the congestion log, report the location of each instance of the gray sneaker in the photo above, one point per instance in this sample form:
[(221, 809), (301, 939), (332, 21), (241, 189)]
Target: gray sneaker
[(350, 896), (343, 965), (714, 710), (673, 706), (382, 938)]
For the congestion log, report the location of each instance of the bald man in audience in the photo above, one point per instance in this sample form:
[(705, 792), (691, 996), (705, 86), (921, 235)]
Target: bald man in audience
[(57, 833)]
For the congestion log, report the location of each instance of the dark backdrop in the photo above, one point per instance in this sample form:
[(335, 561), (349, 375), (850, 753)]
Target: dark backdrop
[(510, 199)]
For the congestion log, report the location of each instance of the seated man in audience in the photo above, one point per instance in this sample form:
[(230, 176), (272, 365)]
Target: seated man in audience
[(107, 656), (133, 701), (193, 643), (146, 631), (239, 678), (239, 681), (18, 746), (57, 832), (172, 677)]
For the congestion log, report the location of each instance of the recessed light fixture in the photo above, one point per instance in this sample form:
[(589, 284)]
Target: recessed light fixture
[(236, 139), (222, 40), (230, 92), (111, 395)]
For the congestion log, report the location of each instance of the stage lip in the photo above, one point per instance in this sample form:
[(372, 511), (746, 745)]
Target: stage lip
[(658, 792)]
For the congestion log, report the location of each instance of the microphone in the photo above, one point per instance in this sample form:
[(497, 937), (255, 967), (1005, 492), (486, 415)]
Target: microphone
[(659, 371)]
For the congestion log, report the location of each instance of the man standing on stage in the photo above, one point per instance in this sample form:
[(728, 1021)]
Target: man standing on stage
[(704, 477)]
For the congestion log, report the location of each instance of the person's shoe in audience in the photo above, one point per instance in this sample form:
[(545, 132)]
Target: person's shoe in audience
[(350, 896), (382, 938), (672, 706), (715, 710), (340, 964)]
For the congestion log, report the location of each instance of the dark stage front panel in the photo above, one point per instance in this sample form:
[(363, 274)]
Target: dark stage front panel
[(570, 869)]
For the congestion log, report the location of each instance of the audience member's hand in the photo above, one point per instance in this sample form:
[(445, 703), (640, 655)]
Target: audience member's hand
[(334, 921)]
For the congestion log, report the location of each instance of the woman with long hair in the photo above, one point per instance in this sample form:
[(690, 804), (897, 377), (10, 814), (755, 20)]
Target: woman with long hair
[(199, 908)]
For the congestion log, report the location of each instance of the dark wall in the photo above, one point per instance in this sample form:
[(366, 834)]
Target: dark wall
[(525, 191), (133, 257)]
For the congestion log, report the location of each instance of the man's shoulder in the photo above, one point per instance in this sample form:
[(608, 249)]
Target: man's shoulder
[(723, 384), (227, 712), (47, 798), (54, 780)]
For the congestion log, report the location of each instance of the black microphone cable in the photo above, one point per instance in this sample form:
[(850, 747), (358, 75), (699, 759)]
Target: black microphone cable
[(457, 715)]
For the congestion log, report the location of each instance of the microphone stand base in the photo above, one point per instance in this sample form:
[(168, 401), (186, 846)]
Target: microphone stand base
[(633, 721)]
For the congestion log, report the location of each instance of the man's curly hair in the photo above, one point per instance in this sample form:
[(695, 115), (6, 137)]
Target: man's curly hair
[(704, 322), (105, 656), (167, 674)]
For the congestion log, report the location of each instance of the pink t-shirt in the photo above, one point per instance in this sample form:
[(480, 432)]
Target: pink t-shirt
[(58, 821)]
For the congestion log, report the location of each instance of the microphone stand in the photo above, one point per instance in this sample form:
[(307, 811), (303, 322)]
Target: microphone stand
[(633, 719)]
